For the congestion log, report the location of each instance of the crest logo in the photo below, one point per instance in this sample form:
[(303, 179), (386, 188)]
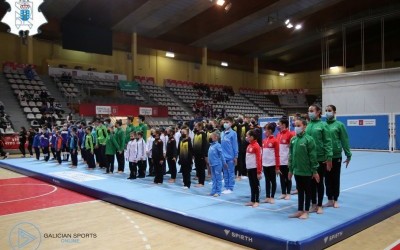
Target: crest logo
[(24, 15)]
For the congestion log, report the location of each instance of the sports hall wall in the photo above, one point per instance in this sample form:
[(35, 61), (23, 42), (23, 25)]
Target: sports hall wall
[(155, 64)]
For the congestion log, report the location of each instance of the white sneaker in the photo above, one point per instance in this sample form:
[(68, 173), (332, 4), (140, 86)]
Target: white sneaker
[(227, 191), (185, 187), (210, 183), (244, 177)]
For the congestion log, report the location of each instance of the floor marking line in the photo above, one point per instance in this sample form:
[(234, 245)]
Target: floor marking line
[(367, 183), (29, 184)]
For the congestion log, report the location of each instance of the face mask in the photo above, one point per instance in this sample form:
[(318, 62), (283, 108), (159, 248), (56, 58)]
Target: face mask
[(210, 140), (298, 130), (329, 115), (312, 115), (227, 125)]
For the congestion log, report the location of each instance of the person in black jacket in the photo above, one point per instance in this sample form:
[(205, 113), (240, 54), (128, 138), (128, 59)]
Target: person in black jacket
[(171, 154), (22, 141), (185, 152), (158, 157), (242, 129), (31, 135), (200, 153)]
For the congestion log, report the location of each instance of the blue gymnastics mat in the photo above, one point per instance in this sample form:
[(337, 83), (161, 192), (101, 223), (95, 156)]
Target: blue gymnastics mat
[(369, 193)]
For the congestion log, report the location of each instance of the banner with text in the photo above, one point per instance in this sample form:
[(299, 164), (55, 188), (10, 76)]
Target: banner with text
[(128, 86), (85, 73)]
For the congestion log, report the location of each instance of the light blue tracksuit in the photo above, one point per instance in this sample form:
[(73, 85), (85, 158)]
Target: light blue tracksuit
[(229, 145), (216, 160)]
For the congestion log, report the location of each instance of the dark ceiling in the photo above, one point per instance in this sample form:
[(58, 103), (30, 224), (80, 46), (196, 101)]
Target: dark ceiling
[(251, 28)]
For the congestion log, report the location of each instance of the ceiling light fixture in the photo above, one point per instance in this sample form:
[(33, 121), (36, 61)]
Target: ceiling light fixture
[(220, 2), (298, 26), (228, 7), (170, 54), (287, 21), (224, 64), (289, 25), (282, 74), (334, 68)]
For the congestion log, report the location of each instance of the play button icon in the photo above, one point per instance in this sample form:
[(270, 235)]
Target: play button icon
[(25, 236)]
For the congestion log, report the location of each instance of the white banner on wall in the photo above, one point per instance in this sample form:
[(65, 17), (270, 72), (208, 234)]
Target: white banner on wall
[(103, 110), (145, 111), (84, 73), (361, 122)]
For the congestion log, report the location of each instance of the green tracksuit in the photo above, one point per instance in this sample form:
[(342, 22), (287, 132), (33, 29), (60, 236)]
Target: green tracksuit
[(303, 156), (142, 127), (89, 143), (319, 131), (340, 139), (101, 132), (120, 139), (129, 128), (111, 145)]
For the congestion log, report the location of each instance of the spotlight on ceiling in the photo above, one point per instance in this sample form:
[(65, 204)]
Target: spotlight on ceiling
[(224, 64), (289, 25), (228, 7), (298, 27), (334, 68), (170, 54), (287, 21), (282, 74), (220, 2)]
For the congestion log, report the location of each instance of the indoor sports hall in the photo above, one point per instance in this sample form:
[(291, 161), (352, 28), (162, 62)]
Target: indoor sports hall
[(111, 112)]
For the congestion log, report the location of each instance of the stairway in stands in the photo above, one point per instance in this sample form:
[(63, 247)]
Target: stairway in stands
[(12, 107)]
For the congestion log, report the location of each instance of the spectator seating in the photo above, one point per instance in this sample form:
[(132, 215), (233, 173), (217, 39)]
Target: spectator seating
[(260, 99)]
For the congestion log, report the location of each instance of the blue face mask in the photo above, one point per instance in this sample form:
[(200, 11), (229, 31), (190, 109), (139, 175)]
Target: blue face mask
[(312, 115), (329, 115), (298, 130), (227, 125)]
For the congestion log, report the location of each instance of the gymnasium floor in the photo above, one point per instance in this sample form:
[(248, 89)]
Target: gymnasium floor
[(367, 184)]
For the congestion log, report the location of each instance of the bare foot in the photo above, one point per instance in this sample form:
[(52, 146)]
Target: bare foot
[(199, 185), (320, 210), (294, 192), (304, 216), (296, 215), (171, 181), (238, 178), (287, 197), (336, 204), (283, 196), (256, 204), (216, 195), (271, 201), (249, 204), (313, 209), (266, 200), (328, 204)]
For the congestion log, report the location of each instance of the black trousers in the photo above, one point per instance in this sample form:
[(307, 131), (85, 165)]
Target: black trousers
[(102, 156), (303, 184), (46, 153), (110, 163), (270, 181), (172, 167), (318, 189), (240, 168), (90, 160), (65, 151), (74, 157), (332, 180), (37, 152), (254, 184), (58, 156), (121, 161), (142, 165), (151, 167), (200, 164), (22, 148), (2, 152), (158, 170), (186, 170), (286, 184), (53, 151), (83, 154), (133, 167), (30, 149)]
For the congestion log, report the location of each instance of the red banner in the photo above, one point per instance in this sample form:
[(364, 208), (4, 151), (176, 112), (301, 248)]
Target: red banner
[(89, 109), (11, 141)]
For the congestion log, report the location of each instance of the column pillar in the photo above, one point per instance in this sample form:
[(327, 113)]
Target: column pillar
[(134, 55), (255, 72), (204, 67), (29, 50)]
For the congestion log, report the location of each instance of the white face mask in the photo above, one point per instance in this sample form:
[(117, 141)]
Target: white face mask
[(329, 115), (227, 125), (312, 115), (298, 130)]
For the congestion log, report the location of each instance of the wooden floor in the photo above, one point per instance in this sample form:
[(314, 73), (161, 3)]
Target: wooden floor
[(119, 228)]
